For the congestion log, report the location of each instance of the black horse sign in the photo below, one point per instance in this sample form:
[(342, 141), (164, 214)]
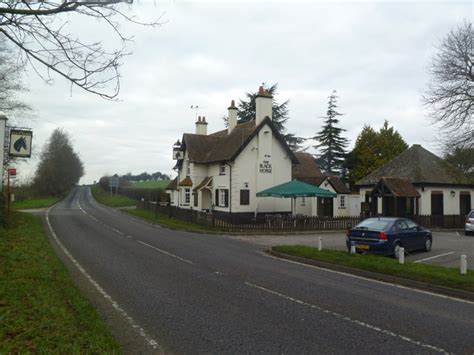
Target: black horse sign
[(20, 143)]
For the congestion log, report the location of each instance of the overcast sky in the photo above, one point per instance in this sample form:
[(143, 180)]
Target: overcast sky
[(374, 53)]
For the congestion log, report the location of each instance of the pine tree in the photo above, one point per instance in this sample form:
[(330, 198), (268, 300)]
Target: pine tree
[(247, 111), (330, 144)]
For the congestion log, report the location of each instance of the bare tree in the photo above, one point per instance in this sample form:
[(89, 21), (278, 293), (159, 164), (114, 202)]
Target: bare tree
[(40, 30), (450, 94)]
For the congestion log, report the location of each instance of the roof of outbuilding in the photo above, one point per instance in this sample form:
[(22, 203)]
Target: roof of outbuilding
[(221, 146), (306, 166), (173, 185), (398, 187), (417, 165)]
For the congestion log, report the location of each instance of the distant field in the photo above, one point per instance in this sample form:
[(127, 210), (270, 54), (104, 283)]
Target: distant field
[(151, 184)]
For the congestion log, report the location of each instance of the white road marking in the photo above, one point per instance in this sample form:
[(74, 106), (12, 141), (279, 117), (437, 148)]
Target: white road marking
[(433, 257), (150, 341), (348, 319), (165, 252), (370, 280)]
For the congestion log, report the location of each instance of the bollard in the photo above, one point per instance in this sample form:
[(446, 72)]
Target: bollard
[(320, 244), (353, 247), (463, 264), (401, 255)]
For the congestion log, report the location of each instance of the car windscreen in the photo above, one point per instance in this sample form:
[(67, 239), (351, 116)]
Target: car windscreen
[(472, 215), (373, 224)]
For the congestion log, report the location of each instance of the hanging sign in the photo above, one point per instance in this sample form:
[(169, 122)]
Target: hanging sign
[(20, 143)]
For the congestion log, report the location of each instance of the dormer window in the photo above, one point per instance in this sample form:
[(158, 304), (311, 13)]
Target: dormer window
[(222, 169)]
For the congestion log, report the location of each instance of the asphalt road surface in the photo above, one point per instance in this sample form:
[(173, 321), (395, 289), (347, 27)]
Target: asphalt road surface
[(179, 292)]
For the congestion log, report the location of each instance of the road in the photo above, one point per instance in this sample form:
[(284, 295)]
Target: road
[(181, 292)]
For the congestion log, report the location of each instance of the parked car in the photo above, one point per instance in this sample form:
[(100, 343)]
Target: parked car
[(469, 224), (386, 235)]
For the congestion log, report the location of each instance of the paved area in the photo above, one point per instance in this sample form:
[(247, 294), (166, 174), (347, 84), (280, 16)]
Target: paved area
[(447, 246), (182, 292)]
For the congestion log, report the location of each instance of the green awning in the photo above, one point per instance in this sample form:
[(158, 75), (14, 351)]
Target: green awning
[(295, 188)]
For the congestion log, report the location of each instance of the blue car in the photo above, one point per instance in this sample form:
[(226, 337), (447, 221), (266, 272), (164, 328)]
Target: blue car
[(386, 235)]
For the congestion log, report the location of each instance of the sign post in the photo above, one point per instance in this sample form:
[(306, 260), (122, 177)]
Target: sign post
[(3, 124), (114, 181)]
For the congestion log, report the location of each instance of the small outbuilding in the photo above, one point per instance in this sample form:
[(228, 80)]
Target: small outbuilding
[(416, 182)]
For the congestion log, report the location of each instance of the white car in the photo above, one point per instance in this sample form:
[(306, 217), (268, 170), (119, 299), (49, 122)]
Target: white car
[(469, 224)]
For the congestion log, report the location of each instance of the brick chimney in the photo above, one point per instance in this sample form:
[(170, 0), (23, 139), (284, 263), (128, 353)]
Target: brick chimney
[(201, 126), (263, 103), (232, 115)]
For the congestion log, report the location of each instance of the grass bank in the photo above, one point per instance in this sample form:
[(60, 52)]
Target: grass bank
[(170, 221), (41, 311), (437, 275), (35, 202), (113, 200)]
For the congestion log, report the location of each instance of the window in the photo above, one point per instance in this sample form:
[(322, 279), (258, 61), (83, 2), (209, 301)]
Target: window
[(195, 198), (342, 201), (187, 196), (222, 197), (303, 201), (411, 225), (222, 169), (401, 225), (244, 197), (188, 168)]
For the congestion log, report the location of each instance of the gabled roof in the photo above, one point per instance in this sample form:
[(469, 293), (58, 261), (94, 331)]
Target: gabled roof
[(338, 185), (186, 182), (306, 167), (398, 187), (221, 146), (206, 182), (417, 165)]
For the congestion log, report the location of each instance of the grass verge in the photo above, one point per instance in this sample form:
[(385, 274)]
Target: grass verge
[(152, 184), (105, 198), (170, 221), (38, 202), (41, 311), (433, 274)]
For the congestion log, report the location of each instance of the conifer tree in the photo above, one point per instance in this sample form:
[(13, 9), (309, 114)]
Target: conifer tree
[(329, 142), (247, 111)]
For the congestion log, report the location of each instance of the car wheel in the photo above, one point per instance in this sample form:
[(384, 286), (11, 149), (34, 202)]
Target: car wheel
[(428, 244), (396, 250)]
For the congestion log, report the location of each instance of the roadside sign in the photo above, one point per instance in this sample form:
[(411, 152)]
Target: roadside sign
[(20, 143), (12, 172), (114, 181)]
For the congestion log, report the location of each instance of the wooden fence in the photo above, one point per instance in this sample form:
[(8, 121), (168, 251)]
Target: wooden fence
[(281, 222)]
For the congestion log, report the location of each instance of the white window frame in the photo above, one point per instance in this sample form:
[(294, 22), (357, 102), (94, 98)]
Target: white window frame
[(342, 201), (187, 196), (222, 197), (303, 201), (222, 169), (188, 168)]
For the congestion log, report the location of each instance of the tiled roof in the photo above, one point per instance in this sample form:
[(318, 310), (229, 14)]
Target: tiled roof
[(186, 182), (306, 167), (338, 185), (417, 165), (398, 187), (221, 146), (173, 185)]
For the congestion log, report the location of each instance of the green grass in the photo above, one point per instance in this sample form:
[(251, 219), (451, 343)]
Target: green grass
[(41, 311), (114, 200), (36, 202), (170, 221), (152, 184), (438, 275)]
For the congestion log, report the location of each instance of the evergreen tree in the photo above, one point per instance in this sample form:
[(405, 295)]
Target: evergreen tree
[(372, 150), (247, 111), (330, 144)]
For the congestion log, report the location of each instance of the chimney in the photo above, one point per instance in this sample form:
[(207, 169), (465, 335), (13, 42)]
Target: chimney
[(201, 126), (232, 122), (263, 103)]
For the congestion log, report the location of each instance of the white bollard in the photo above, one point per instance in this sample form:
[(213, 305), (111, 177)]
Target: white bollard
[(463, 264), (353, 248), (320, 244), (401, 256)]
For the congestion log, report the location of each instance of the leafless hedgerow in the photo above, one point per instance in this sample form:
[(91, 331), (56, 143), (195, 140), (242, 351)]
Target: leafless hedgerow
[(39, 28), (450, 94)]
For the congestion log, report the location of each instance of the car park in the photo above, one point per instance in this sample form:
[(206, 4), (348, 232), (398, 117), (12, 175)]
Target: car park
[(469, 224), (386, 235)]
